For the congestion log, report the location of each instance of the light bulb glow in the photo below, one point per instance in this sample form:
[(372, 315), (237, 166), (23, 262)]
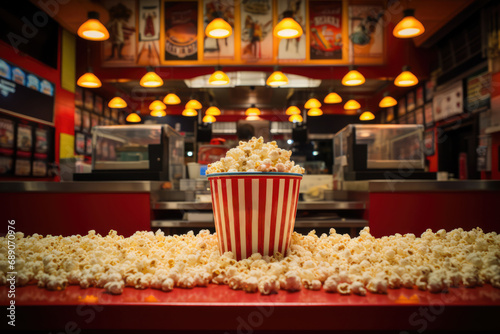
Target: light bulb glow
[(387, 101), (93, 30), (288, 28), (332, 98), (157, 105), (292, 110), (366, 116), (295, 119), (352, 105), (209, 119), (193, 104), (89, 80), (409, 26), (213, 110), (151, 79), (406, 79), (171, 99), (117, 103), (189, 112), (133, 118), (218, 78), (312, 103), (276, 79), (158, 113), (252, 111), (353, 78), (314, 112), (218, 28)]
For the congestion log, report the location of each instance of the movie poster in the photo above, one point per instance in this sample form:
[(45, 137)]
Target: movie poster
[(294, 48), (366, 33), (181, 30), (389, 114), (256, 30), (78, 119), (149, 33), (6, 164), (94, 120), (401, 106), (419, 116), (120, 48), (24, 138), (325, 26), (23, 167), (39, 168), (428, 115), (42, 145), (6, 135), (80, 143), (86, 121), (98, 105), (78, 96), (218, 48), (419, 99), (88, 102), (410, 101)]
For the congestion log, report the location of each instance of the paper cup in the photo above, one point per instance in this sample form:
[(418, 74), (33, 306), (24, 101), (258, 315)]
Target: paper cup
[(254, 212)]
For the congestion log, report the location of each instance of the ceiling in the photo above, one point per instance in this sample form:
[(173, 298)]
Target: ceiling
[(434, 14)]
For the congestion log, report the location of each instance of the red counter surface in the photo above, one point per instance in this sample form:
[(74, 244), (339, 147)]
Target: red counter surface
[(218, 308)]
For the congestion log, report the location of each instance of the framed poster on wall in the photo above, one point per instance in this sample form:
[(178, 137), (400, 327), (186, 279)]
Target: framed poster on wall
[(366, 33), (428, 115), (295, 48), (256, 21), (429, 143), (148, 45), (326, 38), (215, 49), (180, 30)]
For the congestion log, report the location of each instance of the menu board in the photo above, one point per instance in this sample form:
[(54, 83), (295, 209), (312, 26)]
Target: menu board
[(478, 91), (24, 138), (325, 26), (448, 102)]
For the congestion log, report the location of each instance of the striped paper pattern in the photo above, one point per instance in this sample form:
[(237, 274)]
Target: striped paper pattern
[(254, 213)]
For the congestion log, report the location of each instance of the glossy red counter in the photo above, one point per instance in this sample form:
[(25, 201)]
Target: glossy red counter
[(217, 308)]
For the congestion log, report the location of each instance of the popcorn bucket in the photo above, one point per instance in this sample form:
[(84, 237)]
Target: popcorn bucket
[(254, 212)]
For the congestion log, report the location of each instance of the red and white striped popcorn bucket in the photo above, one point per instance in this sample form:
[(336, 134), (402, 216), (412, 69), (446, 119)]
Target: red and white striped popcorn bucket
[(254, 212)]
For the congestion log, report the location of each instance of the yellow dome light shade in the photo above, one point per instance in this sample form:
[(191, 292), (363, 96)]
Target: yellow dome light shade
[(117, 103), (213, 110), (171, 99), (189, 112), (366, 116), (158, 113), (353, 78), (295, 119), (312, 103), (409, 26), (332, 98), (218, 78), (314, 112), (157, 105), (93, 29), (252, 111), (133, 118), (292, 110), (193, 104), (387, 101), (209, 119), (406, 78), (151, 79), (276, 79), (352, 105), (288, 28), (89, 80), (218, 28)]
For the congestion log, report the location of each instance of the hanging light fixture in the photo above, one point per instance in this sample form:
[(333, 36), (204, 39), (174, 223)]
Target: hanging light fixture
[(292, 110), (387, 101), (288, 28), (193, 104), (218, 28), (366, 116), (406, 78), (213, 110), (171, 99), (158, 113), (252, 111), (157, 105), (117, 103), (93, 29), (353, 77), (314, 112), (209, 119), (332, 98), (133, 118), (352, 105), (189, 112), (218, 78), (151, 79), (89, 80), (295, 119), (276, 79), (312, 103), (409, 26)]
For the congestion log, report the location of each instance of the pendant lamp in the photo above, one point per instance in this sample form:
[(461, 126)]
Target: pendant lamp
[(288, 28), (366, 116), (406, 78), (158, 113), (314, 112), (353, 78), (332, 98), (209, 119), (189, 112), (352, 105), (193, 104), (409, 26), (387, 101), (292, 110), (151, 79), (218, 78), (171, 99), (252, 111), (213, 110), (276, 79), (295, 119), (218, 28), (312, 103), (133, 118), (117, 102), (89, 80), (93, 29)]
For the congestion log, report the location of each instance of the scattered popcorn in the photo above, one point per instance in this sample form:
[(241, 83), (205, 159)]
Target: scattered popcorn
[(435, 262), (255, 155)]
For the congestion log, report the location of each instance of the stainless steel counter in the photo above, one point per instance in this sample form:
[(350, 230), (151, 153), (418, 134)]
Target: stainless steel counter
[(421, 185), (81, 187), (320, 205)]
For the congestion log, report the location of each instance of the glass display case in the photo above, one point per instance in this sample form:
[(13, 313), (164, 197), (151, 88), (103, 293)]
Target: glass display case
[(368, 151), (137, 152)]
